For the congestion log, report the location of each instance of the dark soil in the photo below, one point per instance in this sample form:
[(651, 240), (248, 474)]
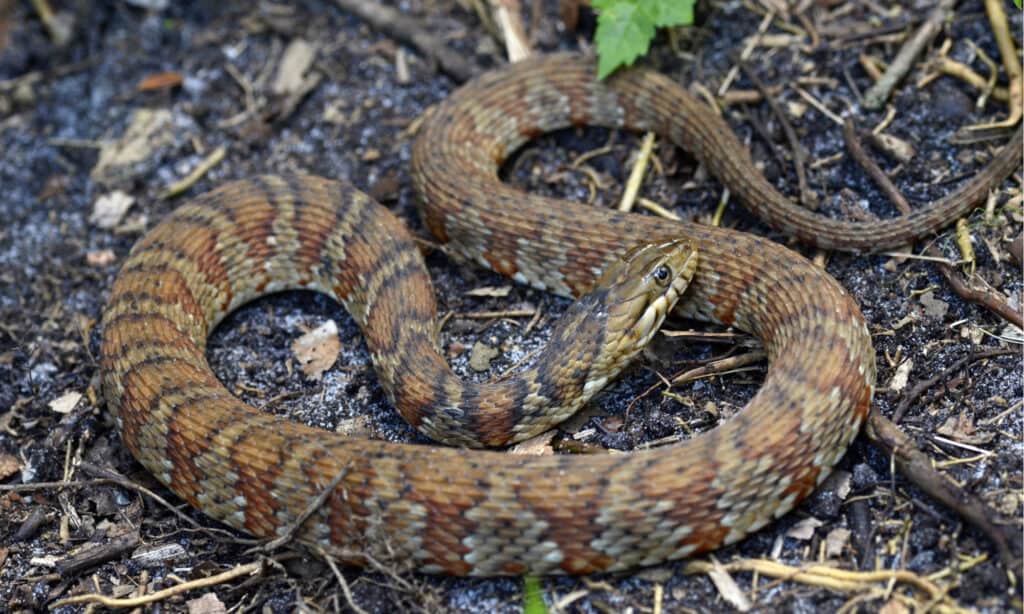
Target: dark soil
[(57, 104)]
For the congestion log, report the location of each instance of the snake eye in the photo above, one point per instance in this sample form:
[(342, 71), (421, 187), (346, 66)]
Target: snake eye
[(661, 275)]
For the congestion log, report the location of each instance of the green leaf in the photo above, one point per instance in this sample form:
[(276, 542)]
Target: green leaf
[(666, 13), (533, 600), (1017, 2), (625, 28), (624, 32)]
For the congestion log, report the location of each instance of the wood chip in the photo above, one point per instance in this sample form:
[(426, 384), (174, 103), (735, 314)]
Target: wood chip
[(317, 350), (835, 542), (899, 379), (110, 209), (66, 402), (804, 530), (490, 291), (727, 587), (538, 445), (291, 72), (100, 257)]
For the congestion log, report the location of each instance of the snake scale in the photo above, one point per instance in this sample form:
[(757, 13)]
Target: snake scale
[(471, 512)]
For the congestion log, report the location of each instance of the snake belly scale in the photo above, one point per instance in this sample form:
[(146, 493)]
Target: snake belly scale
[(457, 510)]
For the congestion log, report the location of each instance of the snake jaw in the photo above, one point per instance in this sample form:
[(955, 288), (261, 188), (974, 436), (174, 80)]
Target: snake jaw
[(640, 294)]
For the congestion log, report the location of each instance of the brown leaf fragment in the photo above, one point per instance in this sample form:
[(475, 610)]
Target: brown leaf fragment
[(317, 350), (961, 428), (160, 81)]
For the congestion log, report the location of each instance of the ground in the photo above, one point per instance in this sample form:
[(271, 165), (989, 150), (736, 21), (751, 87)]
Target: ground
[(61, 108)]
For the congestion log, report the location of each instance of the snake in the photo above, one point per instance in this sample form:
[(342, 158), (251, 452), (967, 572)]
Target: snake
[(456, 509)]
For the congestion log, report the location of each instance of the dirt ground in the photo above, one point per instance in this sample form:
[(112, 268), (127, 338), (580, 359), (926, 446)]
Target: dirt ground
[(195, 77)]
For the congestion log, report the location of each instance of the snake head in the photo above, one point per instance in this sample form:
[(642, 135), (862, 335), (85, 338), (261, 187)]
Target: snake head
[(640, 289)]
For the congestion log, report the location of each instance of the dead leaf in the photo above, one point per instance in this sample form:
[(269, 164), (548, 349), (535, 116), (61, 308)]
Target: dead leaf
[(66, 402), (317, 350), (835, 541), (207, 604), (933, 307), (490, 291), (538, 445), (481, 355), (291, 72), (109, 209), (804, 530), (8, 466), (899, 379), (148, 130), (961, 428)]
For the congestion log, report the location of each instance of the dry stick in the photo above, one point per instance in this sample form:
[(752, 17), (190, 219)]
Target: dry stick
[(1007, 50), (99, 554), (409, 30), (508, 14), (110, 602), (979, 296), (807, 198), (877, 174), (878, 93), (925, 385), (917, 467)]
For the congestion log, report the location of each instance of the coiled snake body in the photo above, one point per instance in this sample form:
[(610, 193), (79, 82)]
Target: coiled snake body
[(455, 510)]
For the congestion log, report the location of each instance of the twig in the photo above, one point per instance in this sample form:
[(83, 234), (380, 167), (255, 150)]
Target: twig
[(878, 93), (197, 173), (926, 385), (720, 367), (342, 582), (99, 554), (508, 14), (986, 298), (636, 175), (916, 467), (821, 575), (409, 30), (877, 174), (133, 602), (807, 198), (313, 506), (1007, 50)]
